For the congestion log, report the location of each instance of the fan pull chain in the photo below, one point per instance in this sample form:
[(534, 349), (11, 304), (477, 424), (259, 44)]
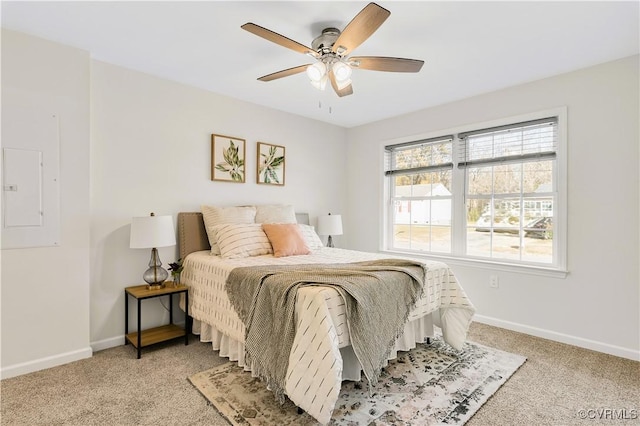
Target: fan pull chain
[(320, 107)]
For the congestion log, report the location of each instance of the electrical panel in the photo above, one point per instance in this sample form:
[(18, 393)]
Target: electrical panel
[(30, 178)]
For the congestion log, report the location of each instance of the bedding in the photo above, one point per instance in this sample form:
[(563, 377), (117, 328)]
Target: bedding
[(286, 239), (214, 215), (324, 346), (259, 295), (237, 240), (322, 311), (275, 213), (310, 236)]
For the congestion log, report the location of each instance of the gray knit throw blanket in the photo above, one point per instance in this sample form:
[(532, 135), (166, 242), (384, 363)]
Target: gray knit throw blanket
[(378, 296)]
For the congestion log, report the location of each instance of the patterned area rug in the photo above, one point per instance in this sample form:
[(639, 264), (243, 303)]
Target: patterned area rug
[(431, 384)]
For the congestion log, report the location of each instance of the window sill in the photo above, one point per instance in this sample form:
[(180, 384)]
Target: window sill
[(485, 264)]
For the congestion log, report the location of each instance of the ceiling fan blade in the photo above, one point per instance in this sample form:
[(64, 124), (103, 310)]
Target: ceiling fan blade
[(360, 28), (346, 91), (380, 63), (278, 39), (284, 73)]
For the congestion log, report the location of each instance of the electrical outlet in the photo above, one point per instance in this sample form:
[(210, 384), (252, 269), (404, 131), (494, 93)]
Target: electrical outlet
[(493, 281)]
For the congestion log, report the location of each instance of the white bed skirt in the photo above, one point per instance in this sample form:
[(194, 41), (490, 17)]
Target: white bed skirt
[(415, 331)]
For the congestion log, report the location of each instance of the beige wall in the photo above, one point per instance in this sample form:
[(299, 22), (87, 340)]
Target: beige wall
[(597, 304), (45, 291), (131, 144), (150, 151)]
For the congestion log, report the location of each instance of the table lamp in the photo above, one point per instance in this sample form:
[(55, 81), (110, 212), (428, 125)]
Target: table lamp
[(330, 225), (152, 232)]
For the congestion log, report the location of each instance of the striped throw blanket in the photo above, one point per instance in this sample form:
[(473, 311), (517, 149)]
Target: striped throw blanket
[(378, 295)]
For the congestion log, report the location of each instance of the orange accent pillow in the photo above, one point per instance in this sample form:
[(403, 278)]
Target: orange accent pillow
[(286, 239)]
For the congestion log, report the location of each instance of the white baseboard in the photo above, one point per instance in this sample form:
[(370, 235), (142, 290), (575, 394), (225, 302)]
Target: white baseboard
[(111, 342), (65, 358), (562, 338), (56, 360), (44, 363)]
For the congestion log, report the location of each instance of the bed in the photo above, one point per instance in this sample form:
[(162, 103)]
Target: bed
[(318, 308)]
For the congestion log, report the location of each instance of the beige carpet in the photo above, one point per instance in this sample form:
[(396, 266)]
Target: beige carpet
[(113, 388), (430, 385)]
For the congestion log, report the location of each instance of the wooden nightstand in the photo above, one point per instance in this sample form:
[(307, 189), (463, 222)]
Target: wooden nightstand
[(143, 338)]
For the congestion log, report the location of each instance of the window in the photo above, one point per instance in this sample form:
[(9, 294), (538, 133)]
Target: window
[(421, 174), (489, 194)]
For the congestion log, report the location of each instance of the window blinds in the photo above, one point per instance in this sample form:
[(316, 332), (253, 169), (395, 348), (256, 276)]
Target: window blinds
[(419, 156), (530, 140)]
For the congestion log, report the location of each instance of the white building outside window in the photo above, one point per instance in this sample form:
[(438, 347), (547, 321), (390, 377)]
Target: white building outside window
[(495, 194)]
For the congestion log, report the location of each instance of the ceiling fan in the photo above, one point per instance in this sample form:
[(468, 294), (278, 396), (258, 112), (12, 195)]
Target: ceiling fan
[(332, 48)]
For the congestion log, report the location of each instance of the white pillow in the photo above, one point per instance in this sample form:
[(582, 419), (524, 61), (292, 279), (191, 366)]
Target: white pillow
[(310, 237), (275, 213), (213, 216), (238, 240)]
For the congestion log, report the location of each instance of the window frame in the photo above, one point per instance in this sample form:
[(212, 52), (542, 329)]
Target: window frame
[(558, 268), (393, 172)]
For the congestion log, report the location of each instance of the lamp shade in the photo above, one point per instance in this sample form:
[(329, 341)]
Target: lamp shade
[(322, 84), (152, 231), (342, 71), (330, 224), (316, 71)]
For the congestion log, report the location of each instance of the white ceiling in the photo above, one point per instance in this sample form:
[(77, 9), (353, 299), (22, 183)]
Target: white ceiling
[(468, 47)]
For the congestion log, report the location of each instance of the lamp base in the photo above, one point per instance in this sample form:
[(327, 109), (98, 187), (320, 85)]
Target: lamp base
[(156, 274), (155, 286), (329, 241)]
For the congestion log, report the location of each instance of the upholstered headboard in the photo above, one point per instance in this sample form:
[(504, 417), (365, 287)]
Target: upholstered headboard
[(192, 235)]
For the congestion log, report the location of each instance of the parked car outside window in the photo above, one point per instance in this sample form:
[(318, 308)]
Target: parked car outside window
[(540, 228)]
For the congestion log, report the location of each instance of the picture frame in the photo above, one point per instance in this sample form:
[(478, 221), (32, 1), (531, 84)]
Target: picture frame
[(227, 159), (270, 164)]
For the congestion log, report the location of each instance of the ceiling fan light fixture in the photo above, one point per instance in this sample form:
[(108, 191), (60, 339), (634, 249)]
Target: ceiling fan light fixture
[(342, 84), (341, 50), (322, 84), (341, 71), (330, 49), (317, 71)]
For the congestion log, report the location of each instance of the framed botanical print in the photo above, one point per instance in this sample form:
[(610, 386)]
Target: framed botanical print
[(227, 158), (270, 164)]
